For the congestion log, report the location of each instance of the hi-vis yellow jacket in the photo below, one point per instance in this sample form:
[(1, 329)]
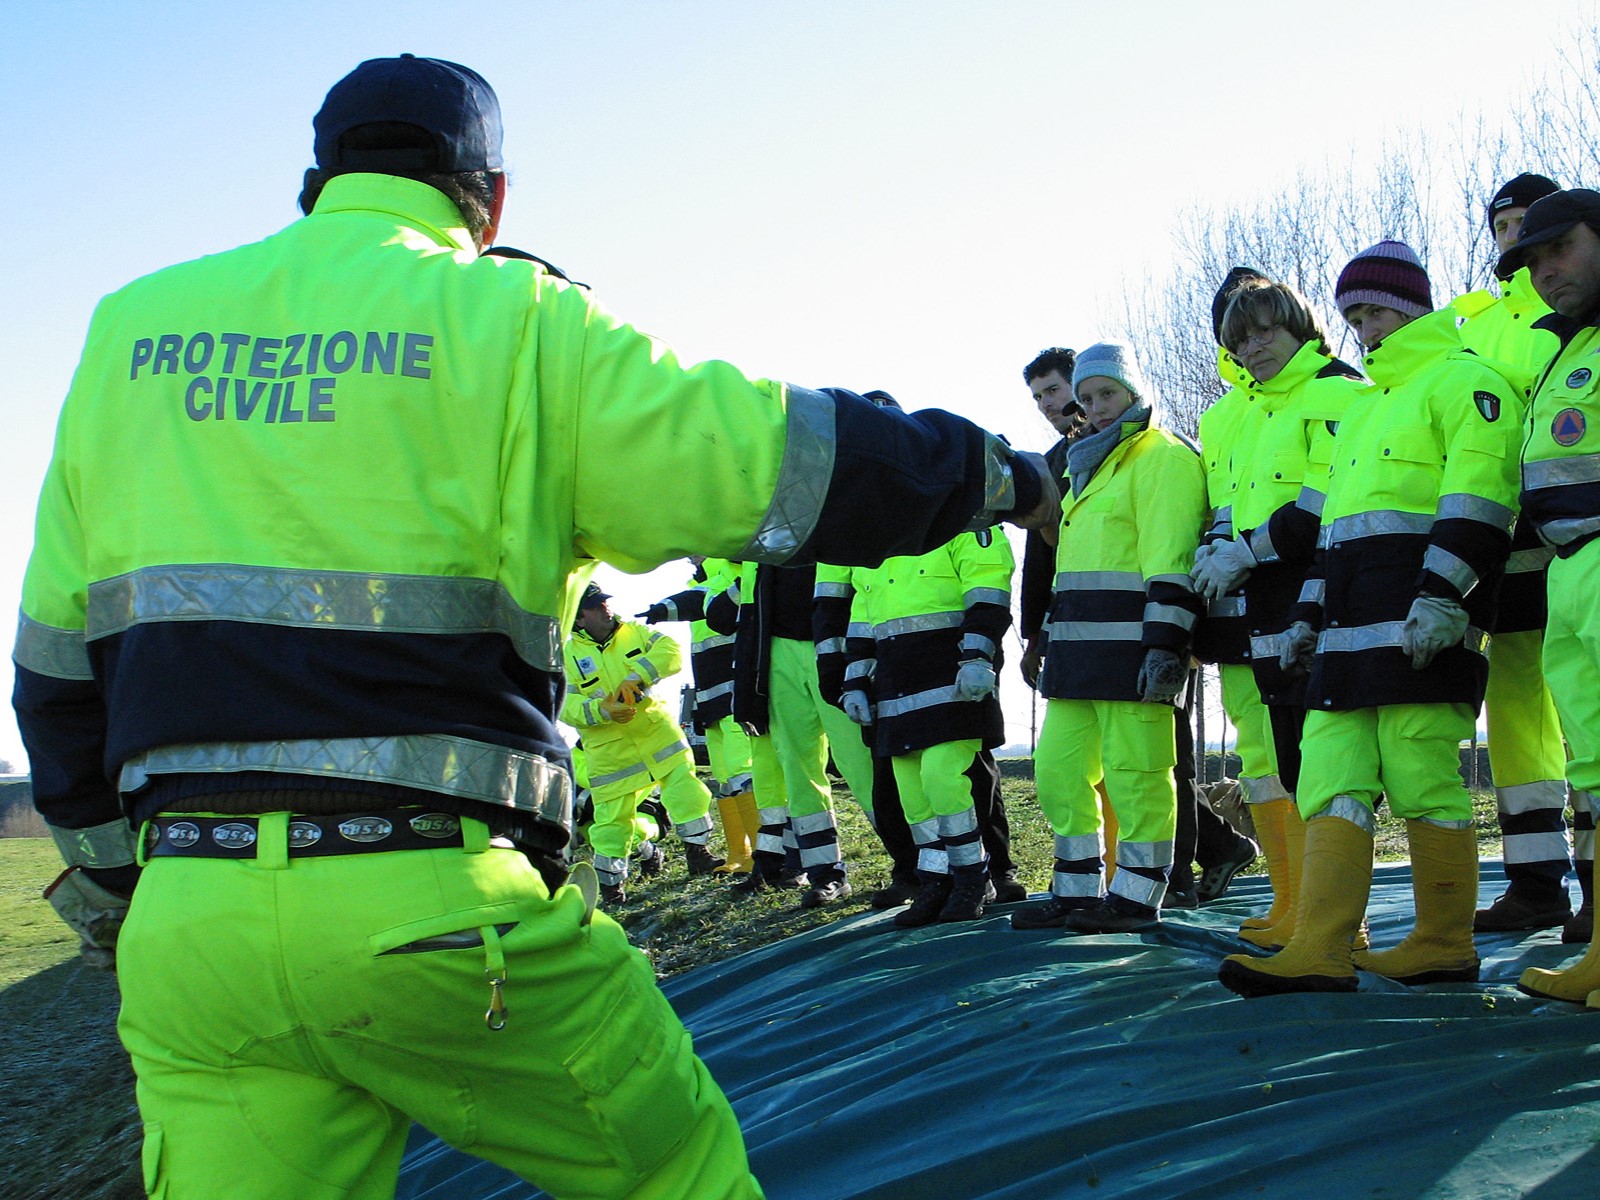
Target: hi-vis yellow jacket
[(619, 751), (1421, 500), (1122, 567), (1226, 430), (321, 507), (1561, 458)]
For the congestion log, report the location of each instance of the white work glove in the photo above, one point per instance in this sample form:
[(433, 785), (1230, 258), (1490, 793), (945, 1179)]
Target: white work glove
[(1299, 648), (857, 707), (1161, 677), (975, 680), (1224, 569), (1202, 552), (94, 913), (1433, 624)]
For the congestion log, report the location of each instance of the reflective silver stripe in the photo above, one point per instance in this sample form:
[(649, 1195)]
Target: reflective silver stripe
[(926, 623), (999, 596), (1267, 646), (431, 762), (809, 445), (1072, 849), (1542, 795), (1559, 533), (1261, 545), (1380, 523), (1442, 823), (1223, 516), (1322, 537), (611, 871), (672, 608), (926, 833), (1264, 789), (1310, 500), (1313, 591), (1149, 855), (916, 701), (1352, 639), (1099, 581), (1096, 631), (321, 600), (1462, 506), (832, 591), (712, 693), (109, 845), (1231, 605), (776, 814), (859, 629), (976, 641), (1560, 472), (1169, 614), (646, 668), (933, 861), (695, 830), (1550, 846), (46, 650), (600, 781), (862, 668), (1348, 808), (713, 642), (1137, 888), (1449, 567), (954, 825), (833, 645), (1076, 885), (965, 854), (999, 484), (1523, 562), (593, 714), (817, 822), (678, 747), (1185, 581)]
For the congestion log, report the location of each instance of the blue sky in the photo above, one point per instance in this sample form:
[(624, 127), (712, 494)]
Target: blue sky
[(913, 195)]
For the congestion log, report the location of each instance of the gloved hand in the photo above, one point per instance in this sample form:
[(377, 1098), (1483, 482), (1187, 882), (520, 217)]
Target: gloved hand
[(632, 689), (620, 708), (1299, 648), (1224, 568), (858, 707), (93, 912), (1033, 662), (653, 615), (975, 680), (1161, 677), (1433, 624), (1202, 552)]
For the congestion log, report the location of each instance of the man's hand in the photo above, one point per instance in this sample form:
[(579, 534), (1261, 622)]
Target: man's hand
[(858, 707), (93, 912), (623, 707), (1299, 649), (1046, 515), (1225, 568), (1433, 624), (1161, 677), (1032, 663), (975, 680), (653, 615)]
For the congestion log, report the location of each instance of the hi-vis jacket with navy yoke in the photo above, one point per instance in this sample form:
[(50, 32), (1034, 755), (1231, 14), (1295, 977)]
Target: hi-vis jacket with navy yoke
[(710, 652), (1122, 567), (1226, 430), (1561, 458), (928, 614), (1281, 497), (594, 672), (1421, 500), (320, 509)]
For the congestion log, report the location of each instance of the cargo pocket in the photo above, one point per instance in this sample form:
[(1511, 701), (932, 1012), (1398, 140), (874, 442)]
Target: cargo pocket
[(155, 1178), (636, 1071)]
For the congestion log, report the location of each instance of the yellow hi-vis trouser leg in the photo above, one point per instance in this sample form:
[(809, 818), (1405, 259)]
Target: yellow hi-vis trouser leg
[(936, 793), (1258, 761), (850, 753), (1133, 747), (1571, 662), (728, 748), (802, 747), (289, 1018), (772, 804), (686, 799), (1410, 752), (1529, 763)]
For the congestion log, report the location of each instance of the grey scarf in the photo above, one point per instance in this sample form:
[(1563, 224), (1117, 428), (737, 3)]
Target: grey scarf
[(1085, 456)]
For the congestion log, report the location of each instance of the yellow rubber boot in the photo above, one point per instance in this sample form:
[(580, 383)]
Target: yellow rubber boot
[(1335, 882), (1444, 884), (1268, 817), (1574, 984), (738, 832), (1280, 918), (1108, 820)]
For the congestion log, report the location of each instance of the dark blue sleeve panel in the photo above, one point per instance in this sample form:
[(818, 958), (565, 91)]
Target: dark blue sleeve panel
[(63, 725), (903, 483)]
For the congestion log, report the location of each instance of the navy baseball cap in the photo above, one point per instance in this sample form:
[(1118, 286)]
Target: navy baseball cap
[(1547, 220), (453, 104), (593, 595)]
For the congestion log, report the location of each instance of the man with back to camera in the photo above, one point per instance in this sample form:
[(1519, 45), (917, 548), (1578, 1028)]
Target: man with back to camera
[(327, 706)]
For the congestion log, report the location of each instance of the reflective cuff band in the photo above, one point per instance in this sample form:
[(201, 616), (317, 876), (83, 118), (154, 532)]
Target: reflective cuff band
[(980, 644), (99, 846), (832, 591), (833, 645), (1261, 545), (1543, 795), (1461, 506), (646, 668), (1310, 500), (1169, 614), (810, 444), (1150, 856), (1348, 808), (46, 650), (1452, 569), (1231, 605), (997, 596)]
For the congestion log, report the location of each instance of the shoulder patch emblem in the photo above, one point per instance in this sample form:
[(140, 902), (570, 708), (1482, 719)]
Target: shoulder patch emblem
[(1488, 404), (1568, 427), (985, 538), (1579, 377)]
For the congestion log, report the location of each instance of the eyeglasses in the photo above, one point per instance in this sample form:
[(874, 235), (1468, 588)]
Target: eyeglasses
[(1259, 338)]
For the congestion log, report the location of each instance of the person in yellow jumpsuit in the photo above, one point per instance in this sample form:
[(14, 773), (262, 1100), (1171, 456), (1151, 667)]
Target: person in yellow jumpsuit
[(1415, 532)]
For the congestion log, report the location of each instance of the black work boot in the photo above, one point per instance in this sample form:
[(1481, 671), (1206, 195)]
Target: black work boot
[(700, 860), (1050, 913), (970, 891), (765, 868), (927, 905), (1113, 914), (1522, 907), (1008, 889), (899, 892)]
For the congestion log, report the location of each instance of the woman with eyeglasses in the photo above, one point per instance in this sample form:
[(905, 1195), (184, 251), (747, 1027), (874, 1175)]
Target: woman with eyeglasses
[(1299, 392)]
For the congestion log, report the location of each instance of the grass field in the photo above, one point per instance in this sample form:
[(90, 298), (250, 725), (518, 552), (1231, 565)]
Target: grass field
[(68, 1125)]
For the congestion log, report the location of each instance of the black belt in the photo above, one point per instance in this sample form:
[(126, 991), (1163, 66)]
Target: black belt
[(308, 836)]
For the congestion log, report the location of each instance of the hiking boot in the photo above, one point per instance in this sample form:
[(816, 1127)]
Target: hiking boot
[(1214, 880), (1007, 889), (928, 904), (899, 892), (1048, 914), (699, 860), (1579, 928), (612, 895), (790, 881), (1515, 910), (831, 892), (1113, 915), (652, 859), (1181, 898), (750, 885), (968, 895)]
